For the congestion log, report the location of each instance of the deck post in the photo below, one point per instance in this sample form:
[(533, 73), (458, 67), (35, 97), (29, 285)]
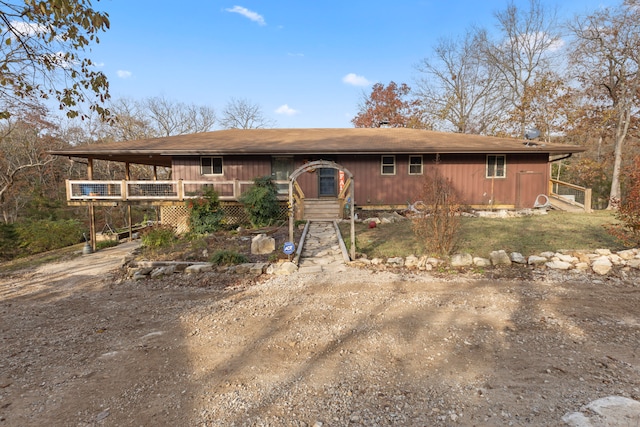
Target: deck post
[(180, 189), (587, 200), (353, 220), (290, 210), (130, 224), (92, 209)]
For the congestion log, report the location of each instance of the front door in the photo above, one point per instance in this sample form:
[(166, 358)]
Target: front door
[(327, 182)]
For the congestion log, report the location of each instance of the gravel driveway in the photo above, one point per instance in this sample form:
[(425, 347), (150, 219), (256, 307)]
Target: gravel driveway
[(80, 346)]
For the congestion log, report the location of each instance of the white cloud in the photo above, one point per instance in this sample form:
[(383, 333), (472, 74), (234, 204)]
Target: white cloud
[(556, 45), (28, 28), (286, 110), (123, 74), (254, 16), (355, 80)]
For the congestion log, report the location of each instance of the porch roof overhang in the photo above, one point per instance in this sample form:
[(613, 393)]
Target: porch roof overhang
[(159, 151)]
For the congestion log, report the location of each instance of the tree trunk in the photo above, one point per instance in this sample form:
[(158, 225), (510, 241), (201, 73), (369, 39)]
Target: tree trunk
[(621, 134)]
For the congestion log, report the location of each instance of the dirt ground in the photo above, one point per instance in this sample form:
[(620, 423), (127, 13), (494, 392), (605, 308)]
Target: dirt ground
[(80, 346)]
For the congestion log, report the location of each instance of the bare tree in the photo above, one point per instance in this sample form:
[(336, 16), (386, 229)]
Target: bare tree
[(24, 140), (525, 46), (131, 121), (243, 114), (158, 117), (458, 88), (176, 118), (606, 56)]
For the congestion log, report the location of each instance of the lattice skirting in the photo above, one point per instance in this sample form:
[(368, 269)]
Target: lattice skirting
[(234, 214), (176, 216)]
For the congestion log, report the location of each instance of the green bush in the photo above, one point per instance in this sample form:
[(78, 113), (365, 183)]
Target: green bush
[(9, 241), (159, 236), (261, 202), (205, 213), (106, 244), (228, 258), (45, 235)]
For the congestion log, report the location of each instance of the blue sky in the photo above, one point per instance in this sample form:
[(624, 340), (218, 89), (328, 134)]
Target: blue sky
[(306, 63)]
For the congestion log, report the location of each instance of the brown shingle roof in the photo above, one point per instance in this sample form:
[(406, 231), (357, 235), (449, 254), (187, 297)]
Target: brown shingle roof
[(310, 141)]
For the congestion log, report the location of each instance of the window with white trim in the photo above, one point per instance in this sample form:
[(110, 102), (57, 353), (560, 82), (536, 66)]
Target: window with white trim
[(496, 166), (388, 165), (415, 165), (211, 165)]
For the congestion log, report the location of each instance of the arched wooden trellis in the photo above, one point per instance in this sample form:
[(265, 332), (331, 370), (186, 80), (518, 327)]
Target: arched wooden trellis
[(311, 166)]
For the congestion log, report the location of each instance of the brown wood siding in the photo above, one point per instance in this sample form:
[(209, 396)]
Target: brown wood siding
[(243, 168), (527, 176)]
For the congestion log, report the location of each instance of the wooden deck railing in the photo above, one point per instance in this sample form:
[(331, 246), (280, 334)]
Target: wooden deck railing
[(571, 194), (92, 190)]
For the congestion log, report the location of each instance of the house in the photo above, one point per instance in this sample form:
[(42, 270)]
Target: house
[(382, 168)]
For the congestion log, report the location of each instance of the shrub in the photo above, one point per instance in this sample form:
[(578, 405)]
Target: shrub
[(205, 213), (9, 241), (159, 236), (261, 202), (106, 244), (440, 225), (228, 258), (45, 234), (628, 209)]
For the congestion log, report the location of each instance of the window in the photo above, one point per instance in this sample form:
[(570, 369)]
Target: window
[(388, 165), (211, 165), (281, 168), (415, 165), (496, 166)]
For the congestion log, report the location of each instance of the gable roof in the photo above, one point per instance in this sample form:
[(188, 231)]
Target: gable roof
[(159, 151)]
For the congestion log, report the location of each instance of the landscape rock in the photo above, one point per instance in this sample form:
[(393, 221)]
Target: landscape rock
[(616, 259), (558, 265), (634, 263), (411, 261), (395, 261), (481, 262), (391, 217), (565, 257), (518, 258), (602, 265), (537, 260), (605, 252), (582, 266), (499, 258), (626, 254), (262, 245), (286, 268), (611, 411), (461, 260), (198, 268)]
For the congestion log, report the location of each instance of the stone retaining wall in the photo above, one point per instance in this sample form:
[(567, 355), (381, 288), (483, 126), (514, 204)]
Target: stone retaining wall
[(600, 262)]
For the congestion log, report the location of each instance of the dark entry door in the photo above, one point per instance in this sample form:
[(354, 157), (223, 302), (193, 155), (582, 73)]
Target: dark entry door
[(327, 183)]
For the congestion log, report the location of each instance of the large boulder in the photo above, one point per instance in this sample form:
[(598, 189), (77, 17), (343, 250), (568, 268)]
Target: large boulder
[(263, 245)]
